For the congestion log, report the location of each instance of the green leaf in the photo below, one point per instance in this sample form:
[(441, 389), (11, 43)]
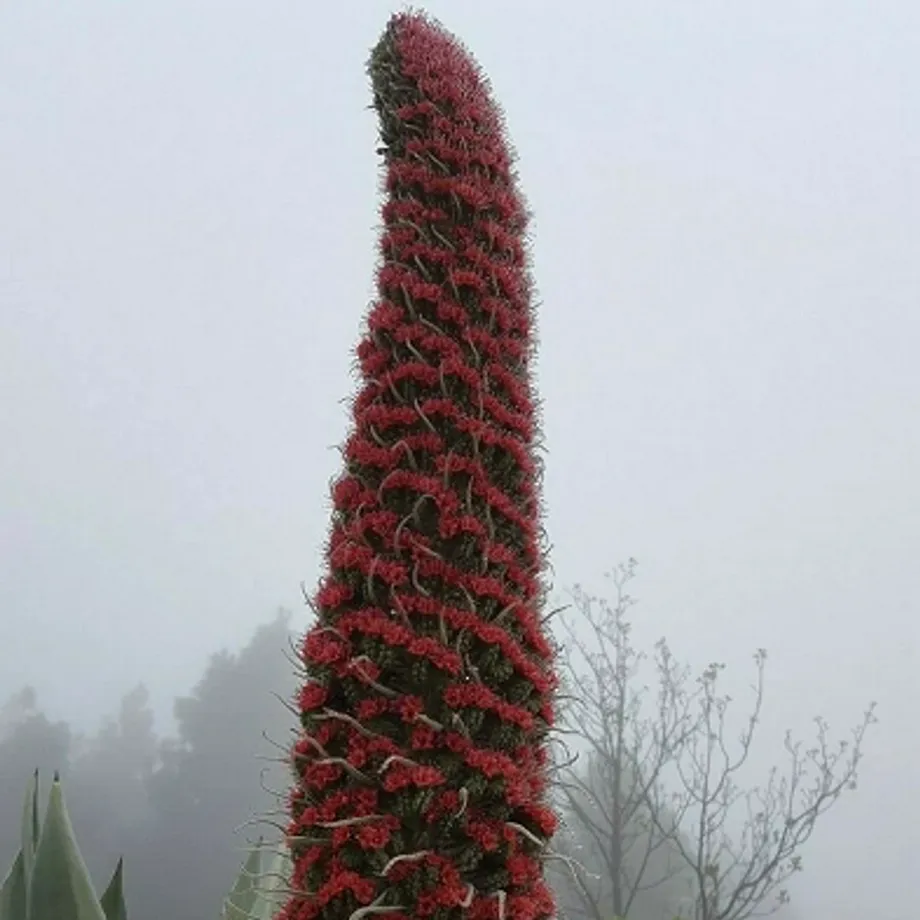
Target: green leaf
[(13, 892), (60, 887), (270, 895), (113, 900), (239, 904), (30, 830)]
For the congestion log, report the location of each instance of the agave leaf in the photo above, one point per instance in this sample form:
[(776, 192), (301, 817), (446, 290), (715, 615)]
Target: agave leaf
[(30, 830), (269, 896), (60, 887), (13, 892), (113, 900), (36, 819), (239, 904)]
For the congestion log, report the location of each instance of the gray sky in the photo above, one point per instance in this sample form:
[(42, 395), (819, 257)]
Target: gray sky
[(727, 220)]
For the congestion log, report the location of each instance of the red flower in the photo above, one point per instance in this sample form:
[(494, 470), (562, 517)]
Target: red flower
[(323, 647), (425, 777), (357, 751), (363, 801), (521, 869), (410, 708), (371, 708), (312, 696), (374, 836), (423, 738), (319, 776), (484, 834)]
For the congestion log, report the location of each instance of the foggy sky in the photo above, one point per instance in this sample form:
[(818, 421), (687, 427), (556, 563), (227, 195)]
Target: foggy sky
[(727, 220)]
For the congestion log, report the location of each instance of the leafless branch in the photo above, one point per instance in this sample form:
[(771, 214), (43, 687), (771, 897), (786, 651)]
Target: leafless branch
[(660, 796)]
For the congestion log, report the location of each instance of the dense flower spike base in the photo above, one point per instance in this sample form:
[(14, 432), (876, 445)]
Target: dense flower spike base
[(422, 764)]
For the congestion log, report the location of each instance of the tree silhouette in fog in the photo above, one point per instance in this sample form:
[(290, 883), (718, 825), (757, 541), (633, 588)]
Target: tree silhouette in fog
[(107, 782), (169, 806), (28, 739), (207, 780)]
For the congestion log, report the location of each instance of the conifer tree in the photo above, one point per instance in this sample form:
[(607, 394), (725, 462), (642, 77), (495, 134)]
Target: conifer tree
[(421, 763)]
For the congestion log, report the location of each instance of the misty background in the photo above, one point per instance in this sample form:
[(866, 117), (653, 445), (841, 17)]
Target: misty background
[(726, 221)]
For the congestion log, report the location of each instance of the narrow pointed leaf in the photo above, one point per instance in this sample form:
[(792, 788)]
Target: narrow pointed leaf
[(239, 904), (36, 819), (29, 830), (13, 892), (113, 899), (60, 887)]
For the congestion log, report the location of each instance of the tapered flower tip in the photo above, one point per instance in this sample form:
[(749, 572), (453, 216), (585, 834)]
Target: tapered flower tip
[(417, 57)]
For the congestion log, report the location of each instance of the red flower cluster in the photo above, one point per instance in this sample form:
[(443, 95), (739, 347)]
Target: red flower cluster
[(480, 695), (423, 753)]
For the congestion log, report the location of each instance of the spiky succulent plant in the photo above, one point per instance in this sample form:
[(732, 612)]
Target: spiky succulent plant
[(258, 893), (48, 879), (421, 767)]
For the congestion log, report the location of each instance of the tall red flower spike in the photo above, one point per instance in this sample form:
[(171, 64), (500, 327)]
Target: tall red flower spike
[(421, 768)]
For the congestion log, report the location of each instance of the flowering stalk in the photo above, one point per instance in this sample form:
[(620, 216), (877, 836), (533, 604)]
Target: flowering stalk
[(421, 768)]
